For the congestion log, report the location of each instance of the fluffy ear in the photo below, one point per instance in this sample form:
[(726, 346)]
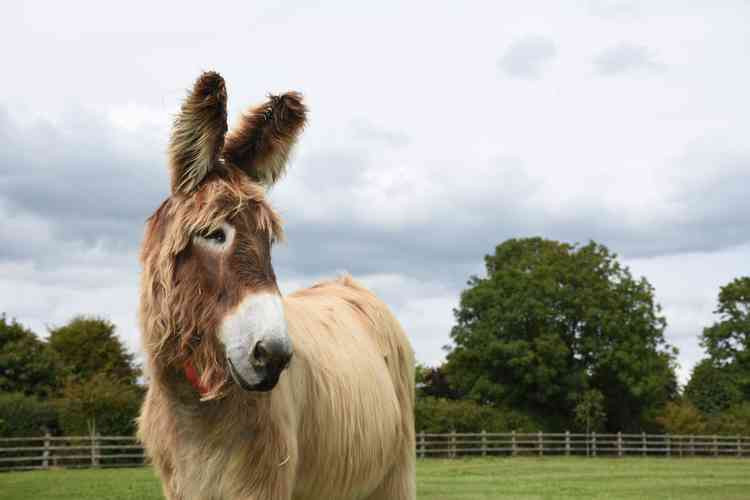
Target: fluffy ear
[(198, 133), (260, 145)]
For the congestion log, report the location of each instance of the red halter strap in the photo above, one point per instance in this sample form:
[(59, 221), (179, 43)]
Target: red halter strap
[(191, 374)]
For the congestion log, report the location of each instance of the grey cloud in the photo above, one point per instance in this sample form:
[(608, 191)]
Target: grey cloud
[(526, 58), (82, 186), (713, 194), (465, 225), (705, 207), (626, 58), (79, 180)]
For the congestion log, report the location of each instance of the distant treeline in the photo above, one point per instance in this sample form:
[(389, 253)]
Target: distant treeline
[(80, 380), (554, 337)]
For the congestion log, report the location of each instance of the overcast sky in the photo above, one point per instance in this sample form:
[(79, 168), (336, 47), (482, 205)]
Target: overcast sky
[(437, 130)]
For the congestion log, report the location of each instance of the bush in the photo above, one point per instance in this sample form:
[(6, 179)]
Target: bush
[(22, 416), (735, 420), (29, 366), (88, 346), (682, 417), (446, 415), (99, 404)]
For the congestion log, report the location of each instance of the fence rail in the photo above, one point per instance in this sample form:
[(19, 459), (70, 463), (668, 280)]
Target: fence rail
[(46, 452), (567, 443), (123, 451)]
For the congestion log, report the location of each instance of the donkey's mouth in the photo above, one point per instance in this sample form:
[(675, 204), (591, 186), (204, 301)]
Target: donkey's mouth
[(267, 380)]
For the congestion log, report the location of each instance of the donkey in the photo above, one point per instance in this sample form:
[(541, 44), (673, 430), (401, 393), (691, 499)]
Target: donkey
[(255, 396)]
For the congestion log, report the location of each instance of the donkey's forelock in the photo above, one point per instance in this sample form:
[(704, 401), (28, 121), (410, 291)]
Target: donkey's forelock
[(223, 196)]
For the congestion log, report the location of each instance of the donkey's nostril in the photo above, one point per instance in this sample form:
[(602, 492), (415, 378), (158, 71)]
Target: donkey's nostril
[(260, 354), (271, 354)]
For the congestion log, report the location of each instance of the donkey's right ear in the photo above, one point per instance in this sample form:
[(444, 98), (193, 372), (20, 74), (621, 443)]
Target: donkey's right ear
[(198, 133), (261, 143)]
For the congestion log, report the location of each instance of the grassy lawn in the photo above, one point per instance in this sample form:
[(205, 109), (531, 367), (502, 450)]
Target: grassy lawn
[(465, 479)]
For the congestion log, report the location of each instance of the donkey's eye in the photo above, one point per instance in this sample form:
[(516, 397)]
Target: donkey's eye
[(217, 236), (216, 240)]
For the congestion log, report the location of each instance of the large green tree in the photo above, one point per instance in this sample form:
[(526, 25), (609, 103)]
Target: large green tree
[(26, 363), (88, 346), (727, 341), (551, 321), (713, 388)]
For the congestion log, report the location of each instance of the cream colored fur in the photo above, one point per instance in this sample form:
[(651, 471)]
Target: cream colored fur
[(338, 426)]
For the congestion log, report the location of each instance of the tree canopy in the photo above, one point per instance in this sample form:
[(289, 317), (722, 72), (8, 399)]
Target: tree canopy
[(713, 388), (26, 363), (727, 341), (551, 321), (88, 346), (721, 381)]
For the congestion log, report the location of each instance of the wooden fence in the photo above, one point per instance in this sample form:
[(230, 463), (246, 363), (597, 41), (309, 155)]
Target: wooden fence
[(70, 452), (120, 451), (544, 444)]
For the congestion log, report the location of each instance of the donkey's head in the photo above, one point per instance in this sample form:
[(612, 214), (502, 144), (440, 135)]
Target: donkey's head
[(210, 307)]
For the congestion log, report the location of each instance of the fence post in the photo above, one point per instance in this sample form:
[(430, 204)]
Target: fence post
[(619, 444), (643, 443), (95, 449), (739, 446), (692, 445), (453, 443), (567, 443), (540, 441), (421, 444), (593, 443), (513, 451), (669, 444), (716, 445), (45, 460), (587, 440), (484, 442)]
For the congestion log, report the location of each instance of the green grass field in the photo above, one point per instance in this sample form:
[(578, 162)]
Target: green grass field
[(465, 479)]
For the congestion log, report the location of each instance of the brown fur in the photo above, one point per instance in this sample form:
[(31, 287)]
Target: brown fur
[(261, 144), (198, 132), (339, 424), (178, 316)]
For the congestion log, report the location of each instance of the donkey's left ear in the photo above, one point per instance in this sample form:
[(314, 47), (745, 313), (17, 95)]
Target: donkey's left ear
[(198, 133), (260, 145)]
